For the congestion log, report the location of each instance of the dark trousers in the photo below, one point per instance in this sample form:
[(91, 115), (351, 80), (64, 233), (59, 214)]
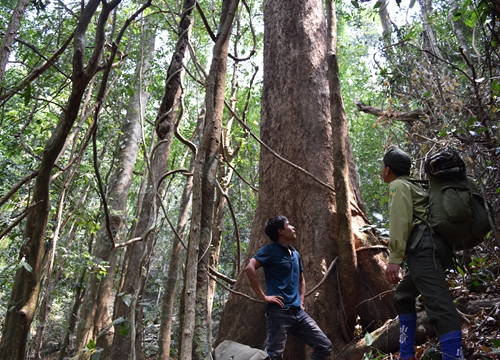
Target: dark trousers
[(283, 322), (426, 263)]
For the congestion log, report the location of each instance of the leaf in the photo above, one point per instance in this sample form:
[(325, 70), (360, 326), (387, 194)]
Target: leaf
[(124, 329), (457, 16), (25, 265), (471, 20), (127, 299), (412, 4), (368, 339), (495, 87), (120, 320), (495, 343), (130, 91), (91, 344), (27, 95)]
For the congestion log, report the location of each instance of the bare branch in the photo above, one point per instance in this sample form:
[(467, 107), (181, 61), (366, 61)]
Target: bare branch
[(16, 187), (18, 220), (410, 116), (221, 276)]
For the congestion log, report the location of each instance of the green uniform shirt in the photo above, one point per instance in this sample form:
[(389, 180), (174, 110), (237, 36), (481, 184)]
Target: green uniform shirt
[(405, 199)]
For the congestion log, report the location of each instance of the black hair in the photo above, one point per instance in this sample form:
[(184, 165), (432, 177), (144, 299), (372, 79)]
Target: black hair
[(273, 225), (398, 173)]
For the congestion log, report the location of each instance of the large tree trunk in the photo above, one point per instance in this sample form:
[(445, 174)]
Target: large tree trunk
[(26, 286), (295, 122), (348, 262)]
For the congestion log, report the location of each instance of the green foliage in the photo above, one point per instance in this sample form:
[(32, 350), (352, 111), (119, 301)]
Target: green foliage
[(372, 355), (479, 275), (460, 109)]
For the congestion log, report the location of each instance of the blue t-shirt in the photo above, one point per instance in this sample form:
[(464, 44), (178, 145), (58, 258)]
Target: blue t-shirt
[(282, 272)]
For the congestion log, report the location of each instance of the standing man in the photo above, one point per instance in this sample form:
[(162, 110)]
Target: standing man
[(286, 289), (427, 256)]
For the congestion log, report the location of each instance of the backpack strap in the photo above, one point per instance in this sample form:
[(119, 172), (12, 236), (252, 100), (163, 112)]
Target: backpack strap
[(423, 226), (424, 223)]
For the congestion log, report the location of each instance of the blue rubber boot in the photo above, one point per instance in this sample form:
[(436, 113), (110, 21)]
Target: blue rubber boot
[(451, 345), (407, 328)]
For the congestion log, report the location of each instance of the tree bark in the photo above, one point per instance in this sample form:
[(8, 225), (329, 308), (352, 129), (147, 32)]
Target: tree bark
[(428, 33), (167, 305), (196, 327), (348, 263), (457, 30), (131, 283), (26, 286), (295, 123), (95, 313), (385, 19), (10, 35)]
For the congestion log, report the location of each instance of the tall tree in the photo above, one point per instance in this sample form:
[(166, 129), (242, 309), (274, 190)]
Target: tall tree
[(296, 180), (27, 282), (95, 313), (137, 254), (196, 334)]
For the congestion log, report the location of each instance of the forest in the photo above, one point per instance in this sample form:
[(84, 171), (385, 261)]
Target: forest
[(144, 144)]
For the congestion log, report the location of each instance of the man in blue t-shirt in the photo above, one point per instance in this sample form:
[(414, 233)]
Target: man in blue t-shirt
[(286, 289)]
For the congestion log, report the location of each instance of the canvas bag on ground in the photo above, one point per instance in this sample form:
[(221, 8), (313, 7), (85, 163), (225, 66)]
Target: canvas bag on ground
[(231, 350)]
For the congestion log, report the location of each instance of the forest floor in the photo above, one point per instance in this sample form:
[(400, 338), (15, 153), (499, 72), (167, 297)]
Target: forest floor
[(477, 298)]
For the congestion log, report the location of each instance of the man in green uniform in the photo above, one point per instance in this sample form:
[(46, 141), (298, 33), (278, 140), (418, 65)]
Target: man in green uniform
[(427, 256)]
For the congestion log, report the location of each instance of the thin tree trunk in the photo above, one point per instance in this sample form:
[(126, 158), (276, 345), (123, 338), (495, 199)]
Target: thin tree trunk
[(131, 279), (167, 306), (26, 286), (457, 29), (10, 35), (166, 122), (51, 285), (428, 33), (95, 313), (196, 327), (385, 19), (48, 280)]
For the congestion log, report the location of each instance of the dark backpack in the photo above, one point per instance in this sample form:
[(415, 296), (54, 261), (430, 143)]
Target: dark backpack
[(457, 211)]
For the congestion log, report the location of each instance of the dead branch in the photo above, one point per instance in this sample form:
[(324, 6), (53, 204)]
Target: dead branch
[(410, 116), (386, 338)]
